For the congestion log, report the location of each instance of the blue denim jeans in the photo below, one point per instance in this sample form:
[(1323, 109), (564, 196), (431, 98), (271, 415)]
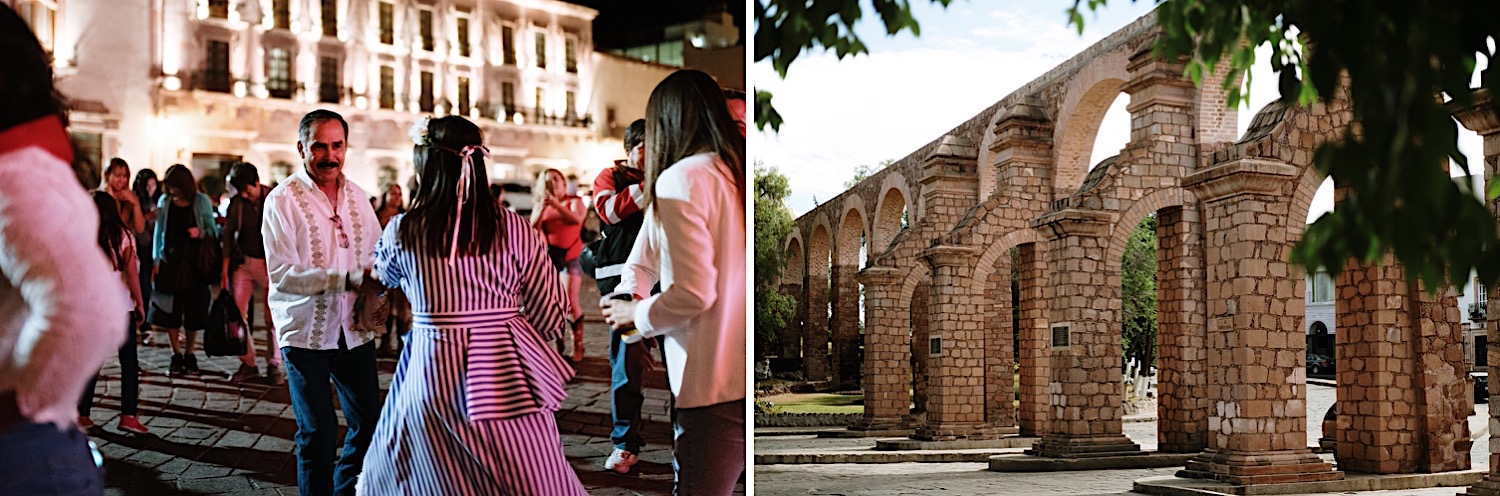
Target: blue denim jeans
[(627, 364), (41, 460), (355, 378), (710, 454)]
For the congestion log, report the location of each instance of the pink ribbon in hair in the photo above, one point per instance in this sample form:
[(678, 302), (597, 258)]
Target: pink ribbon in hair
[(465, 177)]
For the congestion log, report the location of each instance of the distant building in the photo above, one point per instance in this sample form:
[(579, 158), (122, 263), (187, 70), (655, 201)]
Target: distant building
[(211, 82), (711, 44)]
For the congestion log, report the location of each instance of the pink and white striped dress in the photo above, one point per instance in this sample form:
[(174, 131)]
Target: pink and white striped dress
[(470, 410)]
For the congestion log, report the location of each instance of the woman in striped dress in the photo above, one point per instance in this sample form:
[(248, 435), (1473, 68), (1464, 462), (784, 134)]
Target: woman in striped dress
[(470, 410)]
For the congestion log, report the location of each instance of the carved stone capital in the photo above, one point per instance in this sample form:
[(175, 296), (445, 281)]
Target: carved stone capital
[(950, 256), (879, 276), (1239, 177), (1480, 115), (1074, 222)]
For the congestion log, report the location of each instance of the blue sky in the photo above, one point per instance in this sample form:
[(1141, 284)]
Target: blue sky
[(909, 90)]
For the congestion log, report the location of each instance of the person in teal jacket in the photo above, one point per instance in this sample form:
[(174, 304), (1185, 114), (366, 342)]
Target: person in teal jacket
[(180, 295)]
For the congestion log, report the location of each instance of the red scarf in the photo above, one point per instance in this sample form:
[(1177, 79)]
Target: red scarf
[(46, 132)]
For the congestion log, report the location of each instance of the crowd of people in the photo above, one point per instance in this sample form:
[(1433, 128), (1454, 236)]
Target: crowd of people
[(478, 299)]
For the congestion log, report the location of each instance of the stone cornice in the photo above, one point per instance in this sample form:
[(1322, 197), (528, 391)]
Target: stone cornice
[(949, 255), (1239, 177), (1480, 115), (1074, 222), (878, 276)]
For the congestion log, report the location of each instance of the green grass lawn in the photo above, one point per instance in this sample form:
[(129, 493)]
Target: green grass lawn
[(818, 403)]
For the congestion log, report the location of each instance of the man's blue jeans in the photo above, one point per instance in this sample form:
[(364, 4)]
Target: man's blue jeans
[(627, 364), (354, 376), (40, 459)]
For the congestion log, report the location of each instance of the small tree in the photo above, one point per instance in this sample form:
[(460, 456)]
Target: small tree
[(1138, 293), (773, 222)]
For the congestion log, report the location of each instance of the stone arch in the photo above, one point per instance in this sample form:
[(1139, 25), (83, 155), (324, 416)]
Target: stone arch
[(894, 197), (816, 326), (845, 296), (991, 288), (1086, 98), (796, 262), (853, 225), (913, 304), (1153, 202)]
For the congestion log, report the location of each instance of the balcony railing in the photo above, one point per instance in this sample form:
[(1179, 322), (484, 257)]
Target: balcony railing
[(1478, 312)]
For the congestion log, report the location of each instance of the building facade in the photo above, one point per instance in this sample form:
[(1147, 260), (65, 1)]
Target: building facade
[(211, 82)]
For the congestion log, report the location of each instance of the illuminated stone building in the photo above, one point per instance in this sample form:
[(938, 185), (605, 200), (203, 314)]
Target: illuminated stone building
[(211, 82)]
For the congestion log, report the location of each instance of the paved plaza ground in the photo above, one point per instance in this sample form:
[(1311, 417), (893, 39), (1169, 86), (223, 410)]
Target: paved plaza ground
[(892, 479), (209, 436)]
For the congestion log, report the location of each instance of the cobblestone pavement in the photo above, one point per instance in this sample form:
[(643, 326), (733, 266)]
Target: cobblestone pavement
[(973, 478), (209, 436)]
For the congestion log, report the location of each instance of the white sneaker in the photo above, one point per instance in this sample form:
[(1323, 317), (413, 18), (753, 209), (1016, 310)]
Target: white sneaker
[(620, 461)]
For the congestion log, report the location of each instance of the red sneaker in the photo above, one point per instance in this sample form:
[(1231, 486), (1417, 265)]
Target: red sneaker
[(132, 424), (85, 423)]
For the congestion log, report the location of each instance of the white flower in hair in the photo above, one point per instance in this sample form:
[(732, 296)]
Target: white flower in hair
[(418, 132)]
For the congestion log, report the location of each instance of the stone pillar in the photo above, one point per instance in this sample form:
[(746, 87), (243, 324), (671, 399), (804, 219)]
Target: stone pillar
[(1483, 119), (956, 374), (845, 326), (1036, 375), (1402, 404), (791, 335), (1257, 376), (997, 325), (815, 326), (1182, 397), (1086, 390), (887, 351)]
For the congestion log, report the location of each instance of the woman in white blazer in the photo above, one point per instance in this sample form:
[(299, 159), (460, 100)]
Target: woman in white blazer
[(693, 242)]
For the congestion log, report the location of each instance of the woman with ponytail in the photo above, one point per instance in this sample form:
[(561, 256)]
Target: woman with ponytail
[(470, 409)]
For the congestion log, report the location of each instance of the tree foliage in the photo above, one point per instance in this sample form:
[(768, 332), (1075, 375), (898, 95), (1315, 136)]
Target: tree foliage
[(1138, 292), (786, 28), (1396, 60), (773, 222)]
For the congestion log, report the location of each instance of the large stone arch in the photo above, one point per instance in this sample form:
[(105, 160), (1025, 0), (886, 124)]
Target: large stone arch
[(847, 355), (819, 274), (895, 196), (793, 282), (1086, 98)]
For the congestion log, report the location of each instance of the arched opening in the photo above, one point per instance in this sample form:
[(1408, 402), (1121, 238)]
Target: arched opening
[(1114, 131), (1139, 267), (848, 356), (815, 339), (1085, 137), (890, 220), (923, 347), (789, 341)]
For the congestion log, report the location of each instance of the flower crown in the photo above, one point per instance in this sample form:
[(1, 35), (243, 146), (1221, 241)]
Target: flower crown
[(418, 132)]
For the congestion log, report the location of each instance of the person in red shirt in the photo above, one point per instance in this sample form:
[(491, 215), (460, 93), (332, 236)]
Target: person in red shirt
[(559, 216)]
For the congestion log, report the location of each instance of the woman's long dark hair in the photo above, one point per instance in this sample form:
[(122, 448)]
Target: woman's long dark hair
[(26, 89), (687, 115), (428, 225), (147, 199), (111, 227)]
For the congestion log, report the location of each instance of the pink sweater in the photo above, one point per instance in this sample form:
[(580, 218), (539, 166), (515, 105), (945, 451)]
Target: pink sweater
[(62, 309)]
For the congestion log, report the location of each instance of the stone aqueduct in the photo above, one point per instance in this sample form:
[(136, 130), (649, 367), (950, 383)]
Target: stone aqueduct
[(1010, 192)]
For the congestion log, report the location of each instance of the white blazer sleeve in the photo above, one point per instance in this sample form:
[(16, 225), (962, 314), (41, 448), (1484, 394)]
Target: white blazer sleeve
[(687, 243)]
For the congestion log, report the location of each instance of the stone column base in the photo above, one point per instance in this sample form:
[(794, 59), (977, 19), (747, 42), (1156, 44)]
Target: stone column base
[(1260, 467), (962, 431), (1488, 486), (881, 424), (1100, 445)]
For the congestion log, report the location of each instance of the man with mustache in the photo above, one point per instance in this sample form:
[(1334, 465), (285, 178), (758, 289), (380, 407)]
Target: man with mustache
[(320, 233)]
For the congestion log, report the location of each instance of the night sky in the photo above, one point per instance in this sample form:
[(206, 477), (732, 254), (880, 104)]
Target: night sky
[(629, 22)]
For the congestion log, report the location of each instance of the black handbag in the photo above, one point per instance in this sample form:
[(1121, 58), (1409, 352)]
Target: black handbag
[(208, 262), (226, 333)]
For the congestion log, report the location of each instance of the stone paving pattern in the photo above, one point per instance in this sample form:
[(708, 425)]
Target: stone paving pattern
[(209, 436)]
